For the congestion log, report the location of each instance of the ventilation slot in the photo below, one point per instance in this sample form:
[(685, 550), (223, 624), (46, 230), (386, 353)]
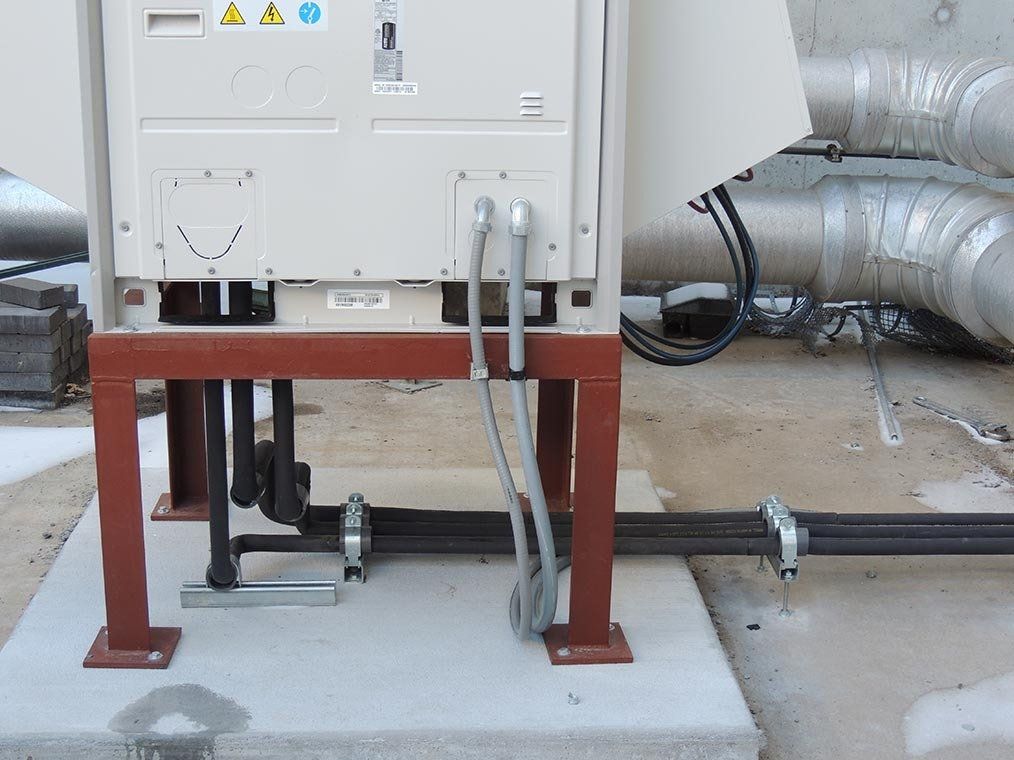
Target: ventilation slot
[(531, 104)]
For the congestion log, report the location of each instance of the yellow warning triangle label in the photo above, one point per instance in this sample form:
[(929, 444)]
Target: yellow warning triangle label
[(232, 16), (272, 16)]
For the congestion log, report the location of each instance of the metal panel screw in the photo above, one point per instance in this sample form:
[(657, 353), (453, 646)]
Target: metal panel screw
[(154, 656), (573, 699), (248, 173), (871, 574), (501, 272), (563, 652), (443, 272), (585, 229), (357, 272), (124, 227), (503, 175), (461, 175), (269, 271), (211, 270), (159, 246), (163, 510), (552, 246), (207, 173)]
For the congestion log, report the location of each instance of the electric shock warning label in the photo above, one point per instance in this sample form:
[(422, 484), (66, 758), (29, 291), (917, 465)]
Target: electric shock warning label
[(359, 300), (389, 49)]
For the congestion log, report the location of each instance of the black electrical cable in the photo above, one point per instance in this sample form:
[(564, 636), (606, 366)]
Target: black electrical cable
[(41, 266), (645, 338), (740, 293), (644, 343)]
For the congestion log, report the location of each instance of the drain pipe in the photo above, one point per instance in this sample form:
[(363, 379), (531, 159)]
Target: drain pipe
[(926, 244), (545, 590), (956, 109), (521, 614)]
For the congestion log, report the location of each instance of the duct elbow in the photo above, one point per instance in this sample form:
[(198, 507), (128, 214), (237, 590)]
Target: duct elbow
[(993, 286), (938, 106)]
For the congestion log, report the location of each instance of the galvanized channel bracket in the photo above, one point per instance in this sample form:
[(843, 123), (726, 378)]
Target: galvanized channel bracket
[(261, 594), (792, 540), (356, 536), (793, 543)]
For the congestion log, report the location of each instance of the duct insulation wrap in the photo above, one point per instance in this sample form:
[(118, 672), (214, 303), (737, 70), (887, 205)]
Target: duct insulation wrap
[(956, 109), (35, 226), (924, 244)]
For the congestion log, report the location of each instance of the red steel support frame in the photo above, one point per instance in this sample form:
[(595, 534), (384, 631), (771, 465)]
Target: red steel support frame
[(187, 498), (555, 444), (118, 360)]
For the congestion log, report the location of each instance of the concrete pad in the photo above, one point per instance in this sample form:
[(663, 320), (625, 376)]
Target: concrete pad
[(419, 662)]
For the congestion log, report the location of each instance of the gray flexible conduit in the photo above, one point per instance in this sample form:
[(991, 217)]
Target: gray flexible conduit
[(547, 589), (521, 614)]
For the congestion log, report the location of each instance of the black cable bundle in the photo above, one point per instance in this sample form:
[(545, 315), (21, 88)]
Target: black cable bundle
[(651, 347)]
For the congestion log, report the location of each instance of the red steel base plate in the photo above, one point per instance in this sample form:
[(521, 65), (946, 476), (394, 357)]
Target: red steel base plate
[(562, 652), (163, 642), (187, 512)]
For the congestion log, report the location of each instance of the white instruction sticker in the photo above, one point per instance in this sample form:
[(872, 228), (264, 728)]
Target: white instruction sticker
[(358, 300), (389, 49)]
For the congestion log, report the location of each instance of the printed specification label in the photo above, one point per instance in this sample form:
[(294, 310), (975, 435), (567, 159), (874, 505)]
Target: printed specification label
[(389, 49), (275, 16), (359, 300)]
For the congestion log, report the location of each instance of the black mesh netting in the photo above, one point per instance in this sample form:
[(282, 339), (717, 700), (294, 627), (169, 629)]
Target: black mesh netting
[(809, 322)]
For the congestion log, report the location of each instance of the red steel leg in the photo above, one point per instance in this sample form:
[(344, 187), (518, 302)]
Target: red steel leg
[(127, 640), (187, 499), (590, 638), (555, 437)]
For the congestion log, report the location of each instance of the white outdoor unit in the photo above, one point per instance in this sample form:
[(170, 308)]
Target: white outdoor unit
[(336, 148)]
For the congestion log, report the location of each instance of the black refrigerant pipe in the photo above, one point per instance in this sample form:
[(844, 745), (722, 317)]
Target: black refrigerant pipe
[(752, 547), (287, 505), (245, 488), (221, 572)]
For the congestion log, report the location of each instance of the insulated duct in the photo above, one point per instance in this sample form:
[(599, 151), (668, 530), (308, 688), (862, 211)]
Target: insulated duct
[(35, 226), (956, 109), (926, 244)]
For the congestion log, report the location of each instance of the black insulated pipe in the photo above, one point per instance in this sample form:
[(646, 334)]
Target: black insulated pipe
[(222, 573), (909, 547), (288, 505), (245, 488)]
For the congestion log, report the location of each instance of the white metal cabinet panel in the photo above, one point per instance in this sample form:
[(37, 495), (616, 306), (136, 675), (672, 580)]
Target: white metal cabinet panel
[(713, 88), (356, 185), (41, 134)]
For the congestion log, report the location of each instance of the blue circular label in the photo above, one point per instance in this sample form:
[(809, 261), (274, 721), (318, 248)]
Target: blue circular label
[(309, 13)]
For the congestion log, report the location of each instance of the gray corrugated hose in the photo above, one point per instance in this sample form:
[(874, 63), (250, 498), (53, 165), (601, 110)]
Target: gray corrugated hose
[(925, 244), (521, 618), (546, 601), (953, 108)]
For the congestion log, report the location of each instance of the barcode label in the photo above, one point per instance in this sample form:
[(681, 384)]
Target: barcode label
[(395, 88), (358, 299)]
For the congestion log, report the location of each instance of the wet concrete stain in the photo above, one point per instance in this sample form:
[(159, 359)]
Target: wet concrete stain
[(945, 12), (201, 714)]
